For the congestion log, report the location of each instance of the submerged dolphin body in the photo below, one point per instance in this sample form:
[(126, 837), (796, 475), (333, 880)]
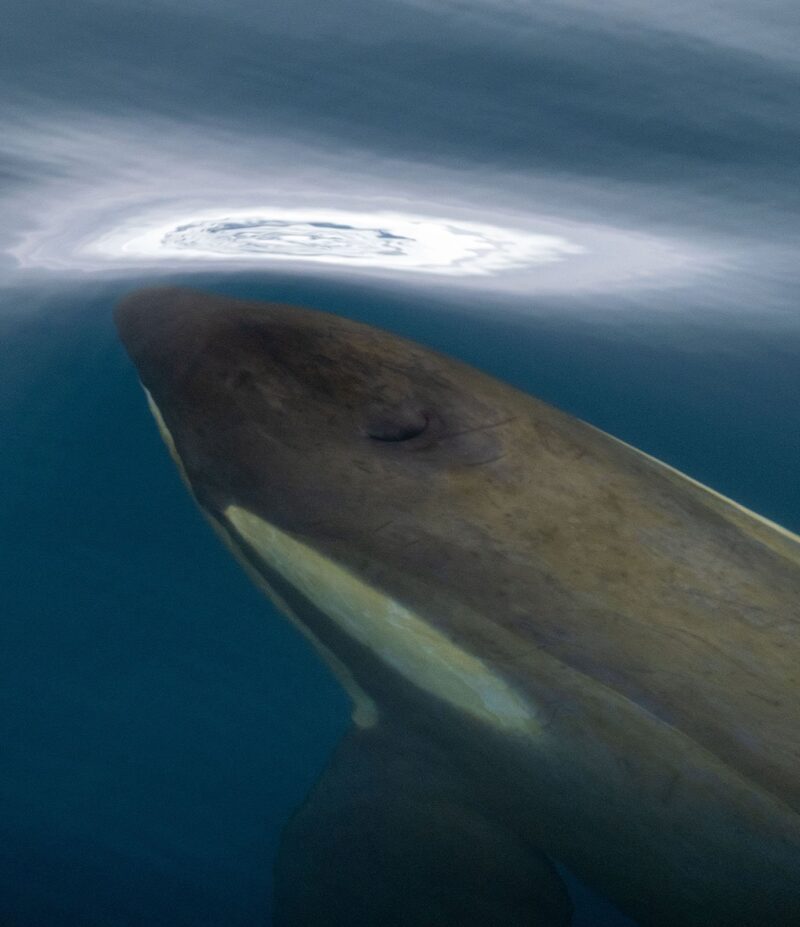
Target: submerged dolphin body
[(557, 647)]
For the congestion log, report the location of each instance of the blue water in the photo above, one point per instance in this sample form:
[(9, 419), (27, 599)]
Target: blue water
[(159, 720)]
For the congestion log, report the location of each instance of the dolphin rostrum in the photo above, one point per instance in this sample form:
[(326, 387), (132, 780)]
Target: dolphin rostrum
[(559, 649)]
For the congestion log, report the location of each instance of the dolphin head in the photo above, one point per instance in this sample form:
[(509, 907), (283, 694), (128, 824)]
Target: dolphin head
[(357, 475), (323, 427)]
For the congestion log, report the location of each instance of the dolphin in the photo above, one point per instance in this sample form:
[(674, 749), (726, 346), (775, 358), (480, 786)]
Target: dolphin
[(562, 654)]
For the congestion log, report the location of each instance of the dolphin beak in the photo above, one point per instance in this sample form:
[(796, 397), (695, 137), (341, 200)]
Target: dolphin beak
[(156, 326), (164, 331)]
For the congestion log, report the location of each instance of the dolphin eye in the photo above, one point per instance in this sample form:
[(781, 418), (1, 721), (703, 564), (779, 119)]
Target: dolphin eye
[(396, 424)]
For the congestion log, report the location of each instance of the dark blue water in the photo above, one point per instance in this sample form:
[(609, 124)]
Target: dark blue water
[(159, 720)]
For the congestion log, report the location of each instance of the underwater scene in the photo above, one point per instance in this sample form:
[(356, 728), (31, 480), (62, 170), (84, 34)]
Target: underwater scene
[(399, 440)]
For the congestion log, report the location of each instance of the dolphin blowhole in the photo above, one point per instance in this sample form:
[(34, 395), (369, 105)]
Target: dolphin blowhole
[(402, 424)]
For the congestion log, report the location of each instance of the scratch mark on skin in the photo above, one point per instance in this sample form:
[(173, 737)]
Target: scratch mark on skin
[(489, 460), (410, 543), (382, 527), (685, 632), (477, 428), (774, 702), (755, 615)]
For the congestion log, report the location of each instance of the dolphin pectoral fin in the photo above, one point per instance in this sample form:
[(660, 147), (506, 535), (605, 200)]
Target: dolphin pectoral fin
[(388, 838)]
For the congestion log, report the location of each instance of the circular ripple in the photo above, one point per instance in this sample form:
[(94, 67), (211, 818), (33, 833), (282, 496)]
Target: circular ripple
[(283, 238), (381, 240)]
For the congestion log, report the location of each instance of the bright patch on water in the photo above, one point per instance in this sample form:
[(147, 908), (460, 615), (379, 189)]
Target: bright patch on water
[(152, 200), (359, 239)]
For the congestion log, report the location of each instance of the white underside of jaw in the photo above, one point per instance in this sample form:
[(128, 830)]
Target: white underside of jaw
[(403, 640)]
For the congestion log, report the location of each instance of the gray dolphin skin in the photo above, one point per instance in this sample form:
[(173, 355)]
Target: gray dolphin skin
[(559, 650)]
